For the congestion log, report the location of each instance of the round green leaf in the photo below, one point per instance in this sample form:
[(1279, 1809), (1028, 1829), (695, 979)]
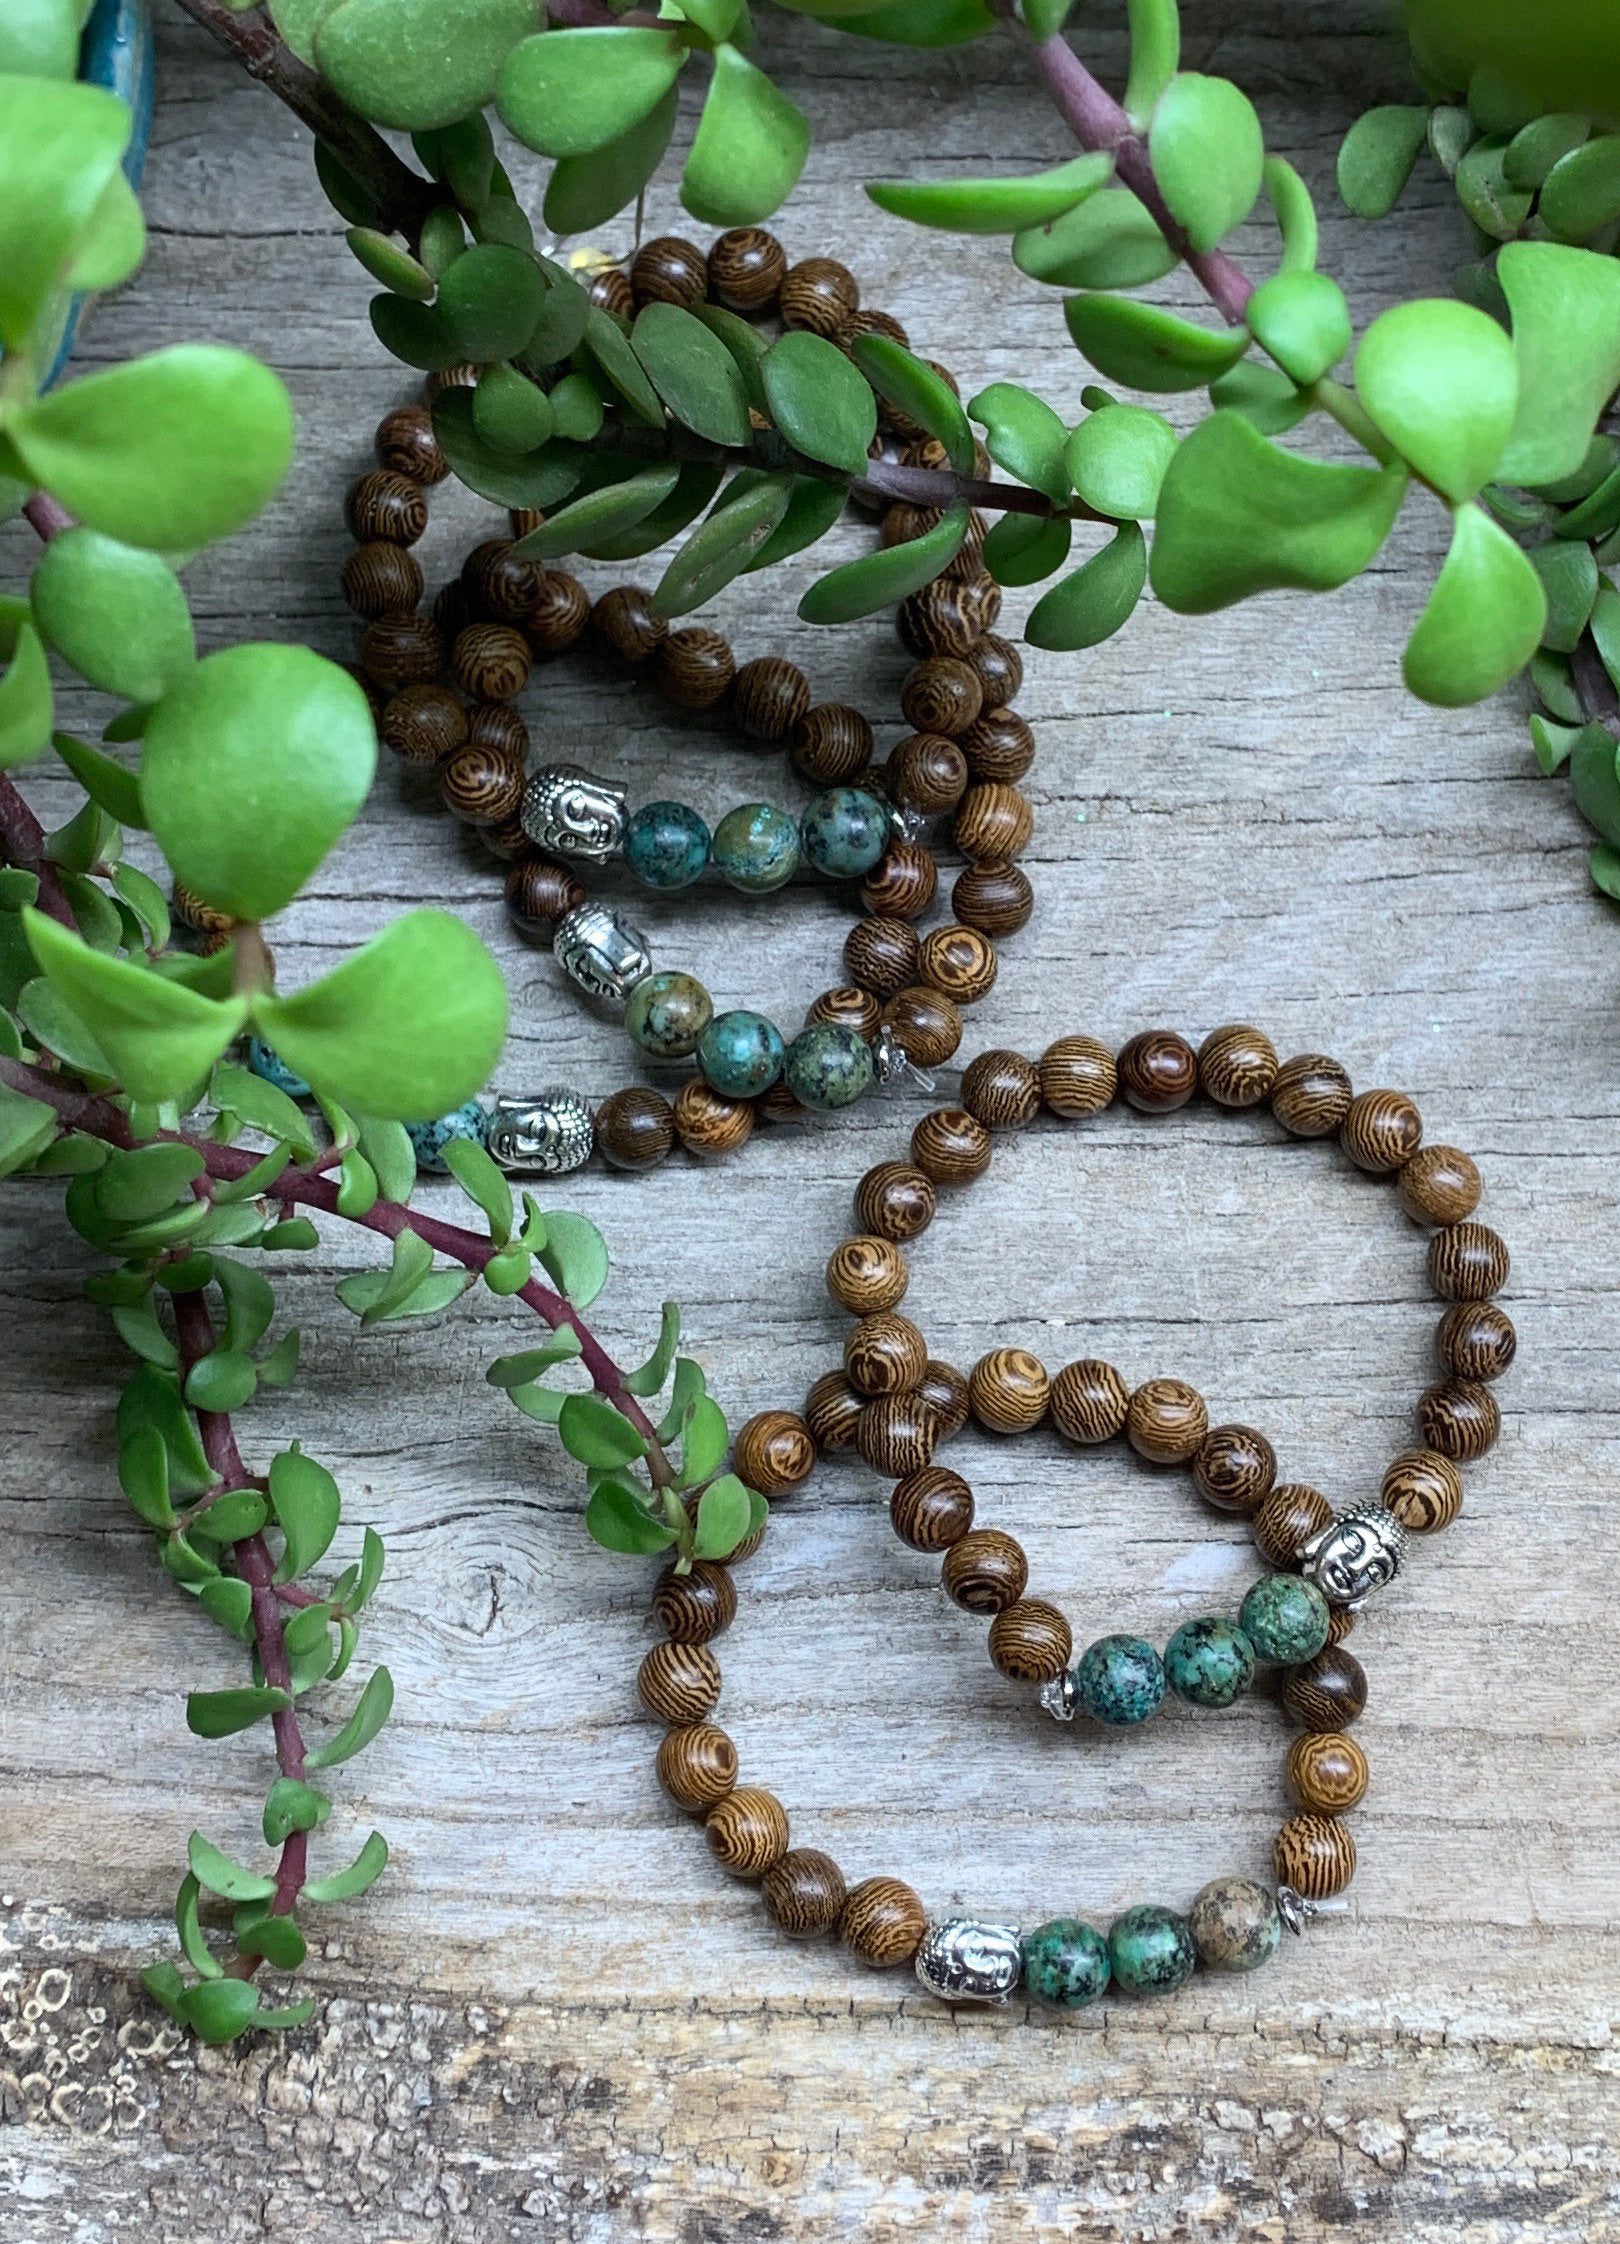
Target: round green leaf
[(1496, 206), (570, 92), (879, 580), (993, 206), (1262, 394), (416, 334), (615, 1519), (1377, 155), (1484, 618), (1532, 152), (159, 1037), (818, 401), (1302, 321), (510, 413), (609, 346), (1207, 150), (386, 261), (1117, 459), (252, 765), (1027, 548), (1581, 193), (25, 700), (1023, 435), (116, 614), (601, 513), (59, 149), (1155, 29), (489, 301), (1148, 348), (1439, 379), (1096, 601), (1595, 781), (912, 385), (537, 479), (40, 38), (725, 1514), (1566, 341), (1569, 578), (1109, 241), (586, 191), (749, 148), (693, 372), (416, 64)]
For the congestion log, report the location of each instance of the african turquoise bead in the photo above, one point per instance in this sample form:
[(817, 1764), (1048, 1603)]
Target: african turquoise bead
[(1235, 1924), (431, 1138), (667, 1013), (1209, 1661), (1150, 1950), (827, 1066), (845, 831), (756, 848), (1119, 1679), (1285, 1618), (666, 845), (1066, 1963), (741, 1053), (274, 1069)]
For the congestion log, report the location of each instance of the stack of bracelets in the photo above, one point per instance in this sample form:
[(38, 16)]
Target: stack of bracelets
[(896, 1405)]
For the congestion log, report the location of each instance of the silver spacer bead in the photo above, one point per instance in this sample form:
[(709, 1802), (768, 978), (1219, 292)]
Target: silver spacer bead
[(601, 953), (544, 1136), (570, 813), (1356, 1553), (893, 1069), (1059, 1696), (964, 1959), (1297, 1911), (905, 825)]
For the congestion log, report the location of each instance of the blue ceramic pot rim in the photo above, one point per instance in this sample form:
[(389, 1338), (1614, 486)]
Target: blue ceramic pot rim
[(116, 52)]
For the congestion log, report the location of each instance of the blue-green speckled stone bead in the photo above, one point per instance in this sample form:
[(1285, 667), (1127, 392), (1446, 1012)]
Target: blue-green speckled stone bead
[(666, 845), (1209, 1661), (666, 1014), (827, 1066), (263, 1061), (845, 831), (1119, 1679), (756, 848), (741, 1053), (1150, 1950), (1066, 1963), (1285, 1618), (431, 1138)]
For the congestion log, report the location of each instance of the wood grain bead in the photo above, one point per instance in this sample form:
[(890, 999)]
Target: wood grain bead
[(622, 622), (1090, 1401), (999, 668), (1237, 1065), (635, 1128), (1381, 1131), (999, 747), (481, 785), (769, 696), (1002, 1090), (1283, 1522), (746, 269), (960, 962), (865, 321), (669, 270), (380, 579), (692, 1608), (901, 885), (902, 523), (679, 1683), (421, 724), (950, 1147), (924, 1023), (406, 445), (708, 1123), (945, 1391), (1460, 1418), (694, 668), (558, 615), (491, 661), (941, 695), (885, 1355), (1326, 1693), (985, 1572), (1340, 1622), (462, 376), (1476, 1340), (402, 650), (832, 1411), (507, 840), (847, 1006), (191, 911), (1030, 1642), (747, 1831), (931, 1509), (1315, 1855), (1439, 1184), (774, 1452), (1423, 1489), (1167, 1421), (819, 294), (946, 617), (1467, 1262), (997, 899), (925, 773), (610, 291), (387, 506), (867, 1275), (1078, 1077), (831, 743), (522, 520), (805, 1893), (539, 894), (1327, 1771), (498, 585), (894, 1201), (993, 824), (1158, 1071), (496, 724), (1311, 1095), (697, 1766), (883, 1923), (882, 955), (450, 610), (1008, 1391), (896, 1434), (1234, 1469)]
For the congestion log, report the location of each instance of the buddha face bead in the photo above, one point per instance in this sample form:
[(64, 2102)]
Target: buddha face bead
[(388, 506), (747, 1831), (1209, 1662), (1066, 1963), (538, 895), (1311, 1096), (827, 1067), (1381, 1131), (1030, 1642), (1235, 1925), (601, 954), (422, 724), (491, 661), (1119, 1680), (746, 269), (896, 1434), (883, 1923), (1234, 1469), (925, 1024), (669, 270), (568, 812), (481, 785), (966, 1960), (635, 1129), (941, 695), (1150, 1950), (548, 1136), (708, 1124), (679, 1683), (881, 955), (380, 579), (894, 1201), (1285, 1618), (498, 584), (885, 1354), (993, 823), (1358, 1552), (1439, 1184), (902, 884), (1077, 1077), (431, 1138), (997, 899), (1166, 1422), (666, 1014), (949, 1147), (1158, 1071), (769, 697), (666, 845), (805, 1893), (402, 650), (558, 615), (755, 848), (694, 1607), (1460, 1418), (741, 1053), (1327, 1693), (774, 1452), (1467, 1262), (1008, 1391), (623, 623), (999, 668), (844, 832), (985, 1571), (1002, 1090), (832, 744), (819, 294), (1237, 1067), (697, 1766), (1326, 1771), (1476, 1340), (1089, 1401), (931, 1509), (1423, 1489), (1285, 1520), (406, 445), (1314, 1855), (866, 1275)]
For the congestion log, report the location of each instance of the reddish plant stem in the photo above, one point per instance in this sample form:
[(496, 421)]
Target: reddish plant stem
[(22, 844), (47, 515)]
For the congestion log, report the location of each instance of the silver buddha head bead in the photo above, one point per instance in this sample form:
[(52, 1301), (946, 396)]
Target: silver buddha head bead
[(601, 953), (570, 813), (965, 1960), (1356, 1553), (545, 1136)]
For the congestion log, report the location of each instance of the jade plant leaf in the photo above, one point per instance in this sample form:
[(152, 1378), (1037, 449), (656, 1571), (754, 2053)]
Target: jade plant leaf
[(1581, 193), (571, 92), (159, 1036), (818, 401), (1155, 31), (880, 580), (60, 145), (617, 1517), (749, 148), (1302, 321), (416, 64), (1109, 241), (116, 614), (993, 206), (1566, 341), (538, 479), (585, 191), (908, 382), (1096, 601), (1208, 151), (1595, 782), (1534, 149), (510, 413), (693, 372), (25, 700), (599, 514), (1023, 435), (1484, 618), (489, 301), (725, 545), (1148, 348), (1117, 460), (1025, 549), (1377, 155), (1439, 380)]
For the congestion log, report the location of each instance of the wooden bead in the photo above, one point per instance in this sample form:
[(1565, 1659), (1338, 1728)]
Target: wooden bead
[(523, 520), (1326, 1771), (1234, 1469), (1284, 1521), (610, 291), (924, 1023), (804, 1890), (388, 506), (1090, 1401), (421, 724), (623, 623), (883, 1923), (481, 785), (896, 1434), (868, 322), (746, 269), (497, 584), (894, 1201), (1423, 1489), (1030, 1642), (882, 955), (902, 523), (697, 1766), (885, 1354), (669, 270), (1439, 1184), (1315, 1855), (1326, 1693), (847, 1006), (450, 610), (380, 579), (999, 748), (1002, 1090), (818, 294), (902, 883), (1158, 1071), (997, 899), (1340, 1622), (496, 724), (491, 661), (999, 668), (1381, 1131), (1167, 1421), (832, 1411), (769, 697), (708, 1123), (747, 1831), (831, 744), (945, 1391), (867, 1275), (926, 772), (1237, 1065), (406, 445), (462, 376), (507, 840), (944, 618), (950, 1147), (941, 695), (931, 1509), (1077, 1077), (1008, 1391), (694, 668), (1476, 1340), (1460, 1418), (985, 1571), (539, 894), (693, 1607), (191, 911), (1311, 1096), (558, 615), (1467, 1262), (774, 1452), (635, 1128), (993, 823), (679, 1683), (959, 962)]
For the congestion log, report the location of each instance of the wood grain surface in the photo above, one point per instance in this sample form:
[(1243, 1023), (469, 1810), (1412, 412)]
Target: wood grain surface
[(554, 2017)]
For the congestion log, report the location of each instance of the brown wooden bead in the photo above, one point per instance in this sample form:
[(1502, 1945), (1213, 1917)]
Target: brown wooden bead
[(539, 894), (1285, 1520), (985, 1572), (1167, 1421), (462, 376), (508, 840), (1031, 1641), (402, 650), (945, 1391), (420, 724), (697, 1766), (522, 520), (1476, 1340), (1340, 1622), (902, 883), (897, 1434), (747, 1831), (694, 668), (693, 1607), (993, 823), (944, 618), (1234, 1469), (926, 773), (960, 962), (804, 1891), (1315, 1855), (950, 1147), (1002, 1090), (406, 445), (832, 1411), (894, 1201), (610, 291), (1077, 1077), (558, 614), (882, 955), (1311, 1095), (481, 785), (819, 294), (380, 579), (497, 584), (679, 1683), (1237, 1065), (1460, 1418), (491, 661), (999, 668), (1381, 1131), (883, 1923), (924, 1023), (1423, 1489), (994, 898), (1008, 1391), (774, 1452), (496, 724), (832, 744), (885, 1354), (868, 322), (769, 697), (191, 911), (847, 1007), (1326, 1693), (450, 610), (388, 506), (669, 270), (1326, 1771), (902, 523), (1467, 1262), (999, 747), (867, 1275), (931, 1509), (941, 695), (708, 1123), (746, 269), (623, 623), (1439, 1184), (1158, 1071), (635, 1128), (1090, 1401)]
